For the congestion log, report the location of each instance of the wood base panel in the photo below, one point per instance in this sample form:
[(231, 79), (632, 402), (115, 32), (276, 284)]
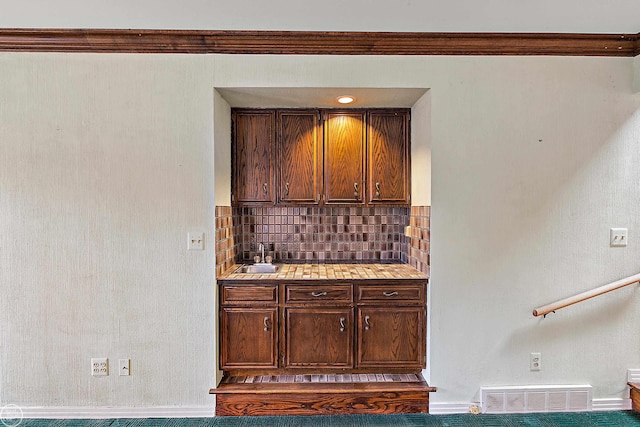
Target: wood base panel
[(322, 403), (635, 396), (235, 397)]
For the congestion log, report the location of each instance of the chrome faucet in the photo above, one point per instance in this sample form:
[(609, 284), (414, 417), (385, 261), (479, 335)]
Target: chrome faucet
[(261, 249)]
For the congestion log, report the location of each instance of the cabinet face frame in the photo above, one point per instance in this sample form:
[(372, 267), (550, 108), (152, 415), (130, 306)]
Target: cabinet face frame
[(388, 156), (345, 147), (252, 162), (299, 157), (379, 299)]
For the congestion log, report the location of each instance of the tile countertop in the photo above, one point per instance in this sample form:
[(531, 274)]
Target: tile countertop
[(330, 271)]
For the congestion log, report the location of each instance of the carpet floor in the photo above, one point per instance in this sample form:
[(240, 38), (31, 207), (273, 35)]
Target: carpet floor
[(579, 419)]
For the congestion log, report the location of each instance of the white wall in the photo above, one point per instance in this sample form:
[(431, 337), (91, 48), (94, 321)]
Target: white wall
[(107, 160), (105, 163), (421, 151)]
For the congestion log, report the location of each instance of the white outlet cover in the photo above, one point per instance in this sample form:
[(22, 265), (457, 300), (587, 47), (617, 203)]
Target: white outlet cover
[(618, 236), (124, 367), (535, 361), (99, 366)]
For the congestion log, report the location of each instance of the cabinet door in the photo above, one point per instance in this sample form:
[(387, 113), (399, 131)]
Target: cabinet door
[(299, 156), (388, 157), (391, 336), (319, 337), (253, 143), (344, 156), (248, 338)]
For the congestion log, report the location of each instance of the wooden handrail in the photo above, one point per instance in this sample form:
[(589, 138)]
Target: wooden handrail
[(546, 309)]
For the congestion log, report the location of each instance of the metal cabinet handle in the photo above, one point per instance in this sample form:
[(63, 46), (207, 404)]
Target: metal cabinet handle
[(390, 294), (286, 189), (377, 189), (318, 294), (342, 324), (266, 323), (366, 323), (264, 187), (355, 190)]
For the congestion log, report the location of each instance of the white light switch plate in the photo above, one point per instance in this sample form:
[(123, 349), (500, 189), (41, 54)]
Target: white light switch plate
[(195, 241), (618, 236)]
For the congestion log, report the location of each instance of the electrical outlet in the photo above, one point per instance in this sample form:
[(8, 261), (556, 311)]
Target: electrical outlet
[(535, 362), (99, 366), (123, 367), (618, 236), (195, 241)]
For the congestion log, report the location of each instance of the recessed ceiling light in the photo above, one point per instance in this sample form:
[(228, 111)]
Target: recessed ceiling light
[(345, 99)]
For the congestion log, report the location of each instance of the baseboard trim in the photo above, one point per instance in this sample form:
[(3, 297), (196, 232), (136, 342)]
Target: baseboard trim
[(617, 404), (107, 412), (445, 408), (435, 408)]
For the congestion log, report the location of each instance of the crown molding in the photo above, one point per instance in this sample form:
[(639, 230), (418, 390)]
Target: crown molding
[(316, 42)]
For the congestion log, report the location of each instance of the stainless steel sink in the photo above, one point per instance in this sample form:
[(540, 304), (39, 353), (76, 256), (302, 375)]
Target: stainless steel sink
[(259, 268)]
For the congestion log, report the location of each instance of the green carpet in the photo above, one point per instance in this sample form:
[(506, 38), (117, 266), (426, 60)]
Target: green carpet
[(579, 419)]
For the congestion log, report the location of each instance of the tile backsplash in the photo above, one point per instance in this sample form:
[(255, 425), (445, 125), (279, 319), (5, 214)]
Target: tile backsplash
[(419, 255), (322, 234), (227, 246)]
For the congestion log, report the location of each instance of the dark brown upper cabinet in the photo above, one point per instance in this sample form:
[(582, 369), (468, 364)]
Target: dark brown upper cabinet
[(299, 154), (344, 156), (253, 156), (388, 165), (321, 156)]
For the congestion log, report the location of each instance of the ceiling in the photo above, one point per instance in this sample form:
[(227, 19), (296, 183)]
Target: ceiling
[(539, 16), (301, 97)]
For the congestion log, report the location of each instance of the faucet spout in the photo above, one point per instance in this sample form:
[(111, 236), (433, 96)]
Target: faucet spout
[(261, 248)]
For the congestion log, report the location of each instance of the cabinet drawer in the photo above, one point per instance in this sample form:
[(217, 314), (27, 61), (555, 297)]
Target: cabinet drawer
[(249, 295), (319, 293), (370, 293)]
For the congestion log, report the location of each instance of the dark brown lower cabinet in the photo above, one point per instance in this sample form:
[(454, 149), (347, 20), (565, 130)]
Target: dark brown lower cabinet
[(319, 337), (327, 327), (391, 336), (249, 338)]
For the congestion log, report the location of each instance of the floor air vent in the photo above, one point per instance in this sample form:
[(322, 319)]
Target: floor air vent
[(542, 398)]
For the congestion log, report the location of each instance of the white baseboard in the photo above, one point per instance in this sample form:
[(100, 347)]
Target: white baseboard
[(435, 408), (106, 412), (444, 408), (618, 404)]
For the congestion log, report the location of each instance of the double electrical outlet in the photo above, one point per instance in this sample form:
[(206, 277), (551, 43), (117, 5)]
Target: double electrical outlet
[(100, 367), (535, 361)]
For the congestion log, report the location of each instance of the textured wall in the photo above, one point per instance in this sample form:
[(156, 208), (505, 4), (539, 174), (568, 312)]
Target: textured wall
[(105, 163), (107, 160)]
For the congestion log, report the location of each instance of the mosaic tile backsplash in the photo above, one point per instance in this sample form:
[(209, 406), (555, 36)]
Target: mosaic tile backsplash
[(226, 243), (420, 238), (323, 234)]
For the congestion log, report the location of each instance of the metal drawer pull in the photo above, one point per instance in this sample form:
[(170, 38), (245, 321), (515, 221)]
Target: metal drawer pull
[(355, 188), (377, 189), (286, 189), (266, 323), (366, 323), (264, 187), (342, 324), (390, 294), (318, 294)]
